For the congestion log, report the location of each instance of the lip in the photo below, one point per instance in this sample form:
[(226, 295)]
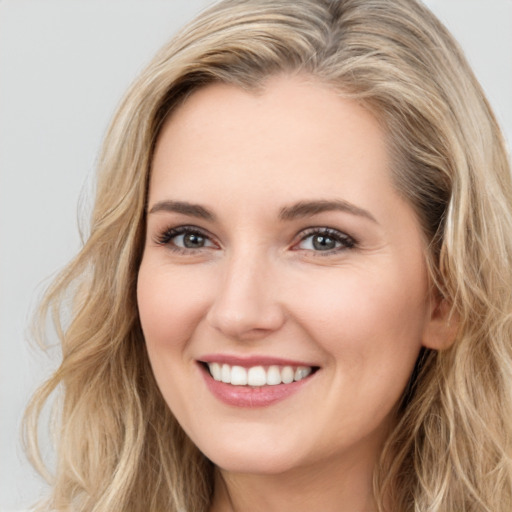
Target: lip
[(255, 360), (247, 396)]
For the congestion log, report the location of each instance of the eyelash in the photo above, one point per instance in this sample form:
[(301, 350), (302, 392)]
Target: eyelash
[(167, 236), (342, 240)]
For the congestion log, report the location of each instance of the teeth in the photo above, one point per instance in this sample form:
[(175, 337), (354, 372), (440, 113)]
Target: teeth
[(273, 375), (238, 376), (225, 374), (258, 375), (301, 373), (287, 374), (216, 371)]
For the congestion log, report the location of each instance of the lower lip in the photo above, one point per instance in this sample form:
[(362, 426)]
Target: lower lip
[(247, 396)]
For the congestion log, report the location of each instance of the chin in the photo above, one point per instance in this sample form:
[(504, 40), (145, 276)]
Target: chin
[(255, 458), (259, 464)]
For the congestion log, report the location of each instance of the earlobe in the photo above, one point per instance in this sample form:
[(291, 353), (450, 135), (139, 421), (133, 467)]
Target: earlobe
[(443, 325)]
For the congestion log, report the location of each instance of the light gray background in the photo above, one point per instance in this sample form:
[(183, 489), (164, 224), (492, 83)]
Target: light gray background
[(64, 65)]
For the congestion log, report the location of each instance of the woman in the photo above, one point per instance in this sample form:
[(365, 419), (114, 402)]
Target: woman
[(296, 288)]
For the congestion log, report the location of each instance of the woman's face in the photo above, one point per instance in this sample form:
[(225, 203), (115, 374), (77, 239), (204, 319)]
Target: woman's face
[(280, 258)]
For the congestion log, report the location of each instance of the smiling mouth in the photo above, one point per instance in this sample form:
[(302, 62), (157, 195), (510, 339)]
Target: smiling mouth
[(258, 376)]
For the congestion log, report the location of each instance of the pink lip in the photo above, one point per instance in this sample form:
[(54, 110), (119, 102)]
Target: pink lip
[(247, 362), (247, 396)]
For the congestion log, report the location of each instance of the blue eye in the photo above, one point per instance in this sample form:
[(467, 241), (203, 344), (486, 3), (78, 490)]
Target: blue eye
[(325, 240), (191, 241), (185, 238)]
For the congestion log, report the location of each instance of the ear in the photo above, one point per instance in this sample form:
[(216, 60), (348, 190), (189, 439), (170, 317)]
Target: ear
[(442, 326)]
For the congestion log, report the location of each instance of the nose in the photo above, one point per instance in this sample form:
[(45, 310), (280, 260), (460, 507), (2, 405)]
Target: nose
[(247, 306)]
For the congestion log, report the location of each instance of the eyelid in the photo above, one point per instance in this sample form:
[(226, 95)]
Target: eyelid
[(165, 236), (347, 241)]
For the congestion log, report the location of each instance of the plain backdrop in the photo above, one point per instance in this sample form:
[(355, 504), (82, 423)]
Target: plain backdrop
[(64, 65)]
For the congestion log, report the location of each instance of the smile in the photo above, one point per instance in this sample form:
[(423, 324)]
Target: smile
[(254, 382), (258, 375)]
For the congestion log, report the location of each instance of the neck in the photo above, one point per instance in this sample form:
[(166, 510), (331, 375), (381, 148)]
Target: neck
[(329, 488)]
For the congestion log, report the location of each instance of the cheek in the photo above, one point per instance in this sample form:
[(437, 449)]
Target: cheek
[(366, 320), (170, 305)]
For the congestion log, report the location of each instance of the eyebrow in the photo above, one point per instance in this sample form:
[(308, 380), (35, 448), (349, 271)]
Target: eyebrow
[(194, 210), (307, 208), (295, 211)]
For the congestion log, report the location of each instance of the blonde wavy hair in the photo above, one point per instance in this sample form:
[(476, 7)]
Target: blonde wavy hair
[(119, 446)]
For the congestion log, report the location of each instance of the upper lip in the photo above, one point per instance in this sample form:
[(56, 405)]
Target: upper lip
[(249, 361)]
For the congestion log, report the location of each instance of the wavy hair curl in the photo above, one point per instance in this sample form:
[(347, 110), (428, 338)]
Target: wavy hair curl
[(119, 446)]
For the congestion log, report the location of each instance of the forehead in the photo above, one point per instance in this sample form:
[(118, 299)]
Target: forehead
[(293, 128)]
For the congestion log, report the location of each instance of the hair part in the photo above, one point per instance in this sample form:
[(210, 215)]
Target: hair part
[(120, 447)]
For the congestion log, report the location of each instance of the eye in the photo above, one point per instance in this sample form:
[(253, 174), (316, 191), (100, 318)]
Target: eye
[(185, 238), (325, 240), (191, 241)]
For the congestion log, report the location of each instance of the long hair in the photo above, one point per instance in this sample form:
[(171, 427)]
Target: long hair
[(119, 446)]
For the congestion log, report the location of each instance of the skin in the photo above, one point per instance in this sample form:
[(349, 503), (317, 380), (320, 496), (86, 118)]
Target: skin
[(258, 285)]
